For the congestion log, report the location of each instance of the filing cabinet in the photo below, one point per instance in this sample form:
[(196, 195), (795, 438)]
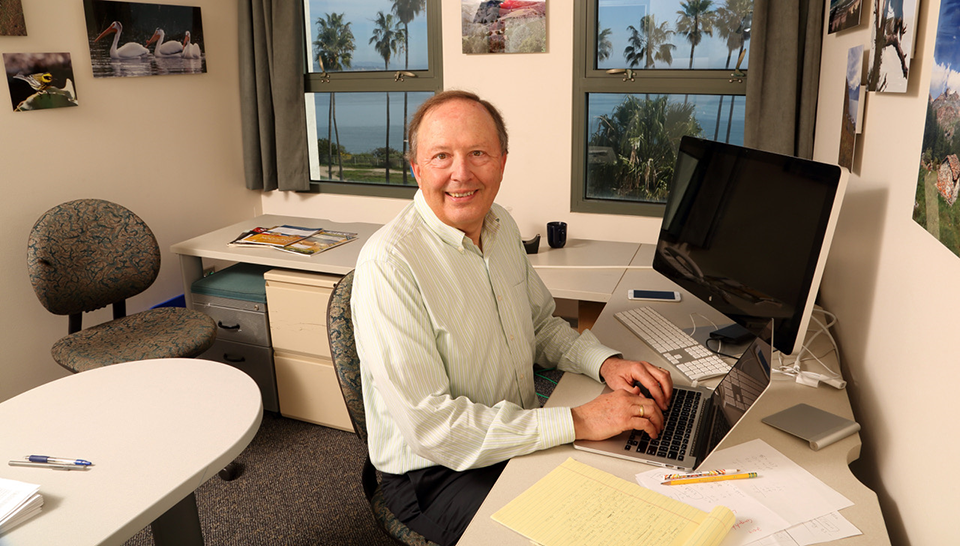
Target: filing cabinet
[(307, 383), (235, 297)]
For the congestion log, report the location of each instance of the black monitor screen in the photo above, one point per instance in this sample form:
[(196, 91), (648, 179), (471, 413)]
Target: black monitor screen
[(743, 230)]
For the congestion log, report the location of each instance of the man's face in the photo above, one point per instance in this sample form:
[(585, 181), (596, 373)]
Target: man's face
[(459, 164)]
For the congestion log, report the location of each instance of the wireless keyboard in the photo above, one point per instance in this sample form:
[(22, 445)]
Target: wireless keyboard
[(676, 346)]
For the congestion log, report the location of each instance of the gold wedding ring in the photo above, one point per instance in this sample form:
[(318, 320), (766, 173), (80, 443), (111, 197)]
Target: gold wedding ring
[(641, 412)]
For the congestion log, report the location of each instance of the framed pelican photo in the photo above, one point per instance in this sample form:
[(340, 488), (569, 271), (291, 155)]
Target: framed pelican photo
[(130, 39)]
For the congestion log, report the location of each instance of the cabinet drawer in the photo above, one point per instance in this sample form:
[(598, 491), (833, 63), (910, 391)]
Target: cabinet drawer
[(256, 361), (309, 390), (237, 325), (298, 310)]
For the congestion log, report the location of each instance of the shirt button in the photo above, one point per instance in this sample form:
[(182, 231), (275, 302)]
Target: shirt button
[(499, 298), (522, 376), (511, 337)]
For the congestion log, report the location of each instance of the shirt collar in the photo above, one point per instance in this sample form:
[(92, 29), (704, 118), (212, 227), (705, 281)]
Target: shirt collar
[(449, 234)]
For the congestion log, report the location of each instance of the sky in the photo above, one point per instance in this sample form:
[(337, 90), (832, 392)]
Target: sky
[(946, 53), (617, 15)]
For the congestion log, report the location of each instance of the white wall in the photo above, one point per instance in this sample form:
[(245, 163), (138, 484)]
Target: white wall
[(166, 147), (891, 284)]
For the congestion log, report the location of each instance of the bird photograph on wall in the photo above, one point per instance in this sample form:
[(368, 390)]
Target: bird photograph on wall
[(40, 80), (129, 39)]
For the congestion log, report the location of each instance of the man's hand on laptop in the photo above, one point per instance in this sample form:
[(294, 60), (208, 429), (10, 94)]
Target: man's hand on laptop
[(614, 412), (655, 383)]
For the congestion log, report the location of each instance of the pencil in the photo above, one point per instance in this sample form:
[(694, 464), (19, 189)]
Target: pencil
[(706, 479)]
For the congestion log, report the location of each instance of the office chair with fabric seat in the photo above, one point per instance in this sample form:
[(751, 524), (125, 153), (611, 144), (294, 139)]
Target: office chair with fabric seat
[(87, 254), (343, 351)]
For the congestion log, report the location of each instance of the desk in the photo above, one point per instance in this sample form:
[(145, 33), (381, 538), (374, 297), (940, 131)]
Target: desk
[(830, 464), (337, 261), (583, 270), (155, 431)]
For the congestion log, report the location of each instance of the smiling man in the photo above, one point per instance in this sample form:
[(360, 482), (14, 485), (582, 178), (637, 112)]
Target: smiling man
[(450, 318)]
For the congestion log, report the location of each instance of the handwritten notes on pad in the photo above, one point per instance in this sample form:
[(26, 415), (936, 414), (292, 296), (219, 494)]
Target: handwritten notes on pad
[(578, 505)]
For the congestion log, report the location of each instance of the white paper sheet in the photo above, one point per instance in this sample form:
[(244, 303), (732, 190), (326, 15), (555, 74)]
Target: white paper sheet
[(784, 497)]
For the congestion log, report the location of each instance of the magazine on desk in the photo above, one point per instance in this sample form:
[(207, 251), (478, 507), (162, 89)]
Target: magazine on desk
[(294, 239)]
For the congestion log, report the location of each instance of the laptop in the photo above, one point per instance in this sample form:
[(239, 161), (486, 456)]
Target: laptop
[(697, 419)]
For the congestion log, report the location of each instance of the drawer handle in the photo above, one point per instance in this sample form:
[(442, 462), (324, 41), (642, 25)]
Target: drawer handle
[(230, 358), (235, 327)]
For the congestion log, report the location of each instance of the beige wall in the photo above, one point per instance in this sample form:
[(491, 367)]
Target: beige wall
[(166, 147), (891, 284)]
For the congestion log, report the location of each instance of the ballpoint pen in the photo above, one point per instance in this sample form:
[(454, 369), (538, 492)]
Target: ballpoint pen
[(56, 460), (54, 466), (706, 479)]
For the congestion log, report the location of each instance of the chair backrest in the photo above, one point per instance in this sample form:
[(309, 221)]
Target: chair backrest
[(343, 352), (86, 254)]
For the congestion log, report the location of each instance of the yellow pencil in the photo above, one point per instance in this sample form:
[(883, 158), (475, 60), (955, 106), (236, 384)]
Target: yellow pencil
[(705, 479)]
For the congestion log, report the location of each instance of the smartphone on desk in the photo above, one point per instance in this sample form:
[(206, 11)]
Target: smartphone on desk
[(653, 295)]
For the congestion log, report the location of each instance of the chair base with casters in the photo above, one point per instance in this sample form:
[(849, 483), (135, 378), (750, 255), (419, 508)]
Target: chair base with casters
[(343, 352)]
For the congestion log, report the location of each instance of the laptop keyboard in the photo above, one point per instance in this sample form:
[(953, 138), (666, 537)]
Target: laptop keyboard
[(676, 346), (674, 440)]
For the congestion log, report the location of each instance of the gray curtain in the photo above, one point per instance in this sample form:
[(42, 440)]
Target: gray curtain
[(784, 75), (272, 112)]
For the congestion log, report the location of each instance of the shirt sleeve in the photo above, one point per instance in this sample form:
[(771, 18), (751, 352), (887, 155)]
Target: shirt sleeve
[(557, 343), (407, 391)]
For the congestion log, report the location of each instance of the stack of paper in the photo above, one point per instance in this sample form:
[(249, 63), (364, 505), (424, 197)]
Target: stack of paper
[(18, 501), (784, 505), (578, 505)]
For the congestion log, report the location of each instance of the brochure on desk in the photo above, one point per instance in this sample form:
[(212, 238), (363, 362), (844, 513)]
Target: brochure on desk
[(294, 239)]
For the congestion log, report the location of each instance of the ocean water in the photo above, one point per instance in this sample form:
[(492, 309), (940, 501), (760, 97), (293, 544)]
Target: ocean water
[(361, 117)]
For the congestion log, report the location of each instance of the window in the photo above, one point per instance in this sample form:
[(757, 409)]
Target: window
[(370, 63), (647, 72)]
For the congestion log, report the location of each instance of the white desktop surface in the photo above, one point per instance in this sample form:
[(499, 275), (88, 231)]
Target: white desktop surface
[(584, 270), (830, 464), (154, 429)]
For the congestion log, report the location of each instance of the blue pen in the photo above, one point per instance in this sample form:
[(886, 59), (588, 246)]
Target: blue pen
[(56, 460)]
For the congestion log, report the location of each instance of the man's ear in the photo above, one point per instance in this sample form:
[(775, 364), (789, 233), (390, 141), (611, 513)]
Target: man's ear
[(416, 171)]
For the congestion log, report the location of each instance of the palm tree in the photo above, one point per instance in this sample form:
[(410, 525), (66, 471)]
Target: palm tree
[(695, 19), (732, 20), (334, 51), (645, 136), (406, 11), (649, 44), (387, 39), (604, 45)]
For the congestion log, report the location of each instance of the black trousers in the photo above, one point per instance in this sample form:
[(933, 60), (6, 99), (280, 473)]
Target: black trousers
[(438, 502)]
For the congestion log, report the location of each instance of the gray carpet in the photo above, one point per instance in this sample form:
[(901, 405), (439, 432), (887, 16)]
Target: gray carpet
[(300, 486)]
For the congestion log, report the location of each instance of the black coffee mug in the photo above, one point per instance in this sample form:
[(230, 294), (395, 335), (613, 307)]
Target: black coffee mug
[(556, 234)]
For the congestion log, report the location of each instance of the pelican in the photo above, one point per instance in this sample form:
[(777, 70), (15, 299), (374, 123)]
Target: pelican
[(127, 51), (190, 50), (172, 48)]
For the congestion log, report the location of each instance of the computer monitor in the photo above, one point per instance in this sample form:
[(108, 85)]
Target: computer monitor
[(748, 232)]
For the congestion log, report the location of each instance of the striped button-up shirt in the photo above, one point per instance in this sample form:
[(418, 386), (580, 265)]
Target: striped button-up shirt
[(447, 336)]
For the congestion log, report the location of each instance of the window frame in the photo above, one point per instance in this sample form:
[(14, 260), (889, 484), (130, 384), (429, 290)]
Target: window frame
[(368, 81), (587, 79)]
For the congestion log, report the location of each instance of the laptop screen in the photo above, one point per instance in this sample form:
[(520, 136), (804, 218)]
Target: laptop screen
[(741, 387)]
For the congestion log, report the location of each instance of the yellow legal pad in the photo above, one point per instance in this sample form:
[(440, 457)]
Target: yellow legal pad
[(579, 505)]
